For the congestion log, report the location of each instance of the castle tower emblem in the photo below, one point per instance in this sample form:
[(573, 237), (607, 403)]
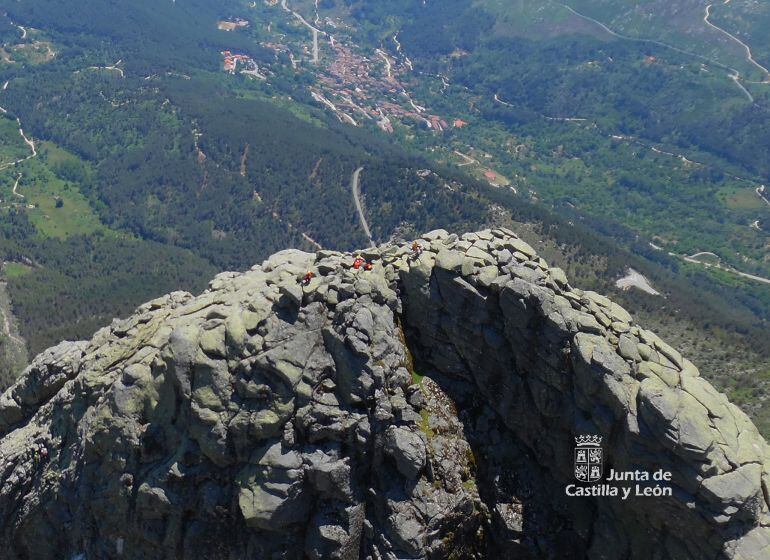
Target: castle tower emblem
[(588, 458)]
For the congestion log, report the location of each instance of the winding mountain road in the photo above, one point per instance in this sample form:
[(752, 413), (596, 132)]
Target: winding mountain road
[(501, 102), (749, 56), (354, 187), (467, 159), (28, 141), (718, 265), (314, 30), (732, 73), (114, 68), (703, 254), (16, 186), (761, 194)]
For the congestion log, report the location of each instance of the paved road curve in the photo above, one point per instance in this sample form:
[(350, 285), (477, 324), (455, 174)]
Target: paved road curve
[(732, 73), (749, 56), (354, 184)]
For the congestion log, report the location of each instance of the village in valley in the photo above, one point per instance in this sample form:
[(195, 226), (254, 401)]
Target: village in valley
[(353, 85), (357, 86)]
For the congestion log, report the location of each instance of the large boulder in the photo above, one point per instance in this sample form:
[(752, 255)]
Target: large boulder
[(265, 418)]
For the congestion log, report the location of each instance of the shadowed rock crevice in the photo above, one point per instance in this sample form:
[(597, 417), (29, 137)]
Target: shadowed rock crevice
[(270, 418), (527, 515), (555, 362)]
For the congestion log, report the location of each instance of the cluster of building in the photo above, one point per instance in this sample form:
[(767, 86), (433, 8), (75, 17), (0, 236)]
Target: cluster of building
[(355, 87), (249, 66)]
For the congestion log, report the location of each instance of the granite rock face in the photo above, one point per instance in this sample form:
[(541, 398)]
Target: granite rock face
[(274, 420)]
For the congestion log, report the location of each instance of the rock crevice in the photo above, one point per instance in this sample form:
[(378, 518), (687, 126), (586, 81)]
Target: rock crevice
[(274, 418)]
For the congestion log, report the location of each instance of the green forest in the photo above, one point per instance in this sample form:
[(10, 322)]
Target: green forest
[(184, 176)]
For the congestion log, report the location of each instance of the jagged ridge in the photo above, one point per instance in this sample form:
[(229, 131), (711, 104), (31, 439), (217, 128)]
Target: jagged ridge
[(265, 419)]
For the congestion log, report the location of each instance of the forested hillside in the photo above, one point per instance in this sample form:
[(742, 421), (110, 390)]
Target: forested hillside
[(181, 173), (135, 161)]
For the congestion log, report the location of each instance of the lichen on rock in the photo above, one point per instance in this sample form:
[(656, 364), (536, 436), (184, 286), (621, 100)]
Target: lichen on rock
[(267, 418)]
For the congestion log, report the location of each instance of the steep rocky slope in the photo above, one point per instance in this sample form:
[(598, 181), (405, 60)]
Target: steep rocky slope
[(267, 419)]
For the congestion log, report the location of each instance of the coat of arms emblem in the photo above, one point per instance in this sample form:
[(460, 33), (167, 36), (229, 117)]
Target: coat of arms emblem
[(588, 458)]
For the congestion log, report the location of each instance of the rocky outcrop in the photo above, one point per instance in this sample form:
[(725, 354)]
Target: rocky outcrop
[(270, 419)]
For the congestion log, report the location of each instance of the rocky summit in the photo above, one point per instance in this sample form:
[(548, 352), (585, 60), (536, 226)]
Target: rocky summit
[(425, 408)]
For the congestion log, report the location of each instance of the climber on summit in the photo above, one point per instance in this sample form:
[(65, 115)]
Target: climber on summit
[(307, 278), (416, 249), (368, 266), (39, 454), (358, 263)]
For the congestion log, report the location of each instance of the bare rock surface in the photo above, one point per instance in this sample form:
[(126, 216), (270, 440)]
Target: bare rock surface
[(268, 418)]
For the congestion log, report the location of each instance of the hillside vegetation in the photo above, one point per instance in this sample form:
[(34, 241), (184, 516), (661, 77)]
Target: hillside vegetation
[(152, 168)]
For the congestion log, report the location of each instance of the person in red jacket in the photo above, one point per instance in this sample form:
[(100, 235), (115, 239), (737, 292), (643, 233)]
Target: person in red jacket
[(368, 266), (307, 278), (358, 263)]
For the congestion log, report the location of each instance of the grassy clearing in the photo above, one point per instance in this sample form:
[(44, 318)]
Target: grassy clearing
[(55, 206), (742, 199), (60, 210), (38, 52), (15, 270), (56, 156)]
